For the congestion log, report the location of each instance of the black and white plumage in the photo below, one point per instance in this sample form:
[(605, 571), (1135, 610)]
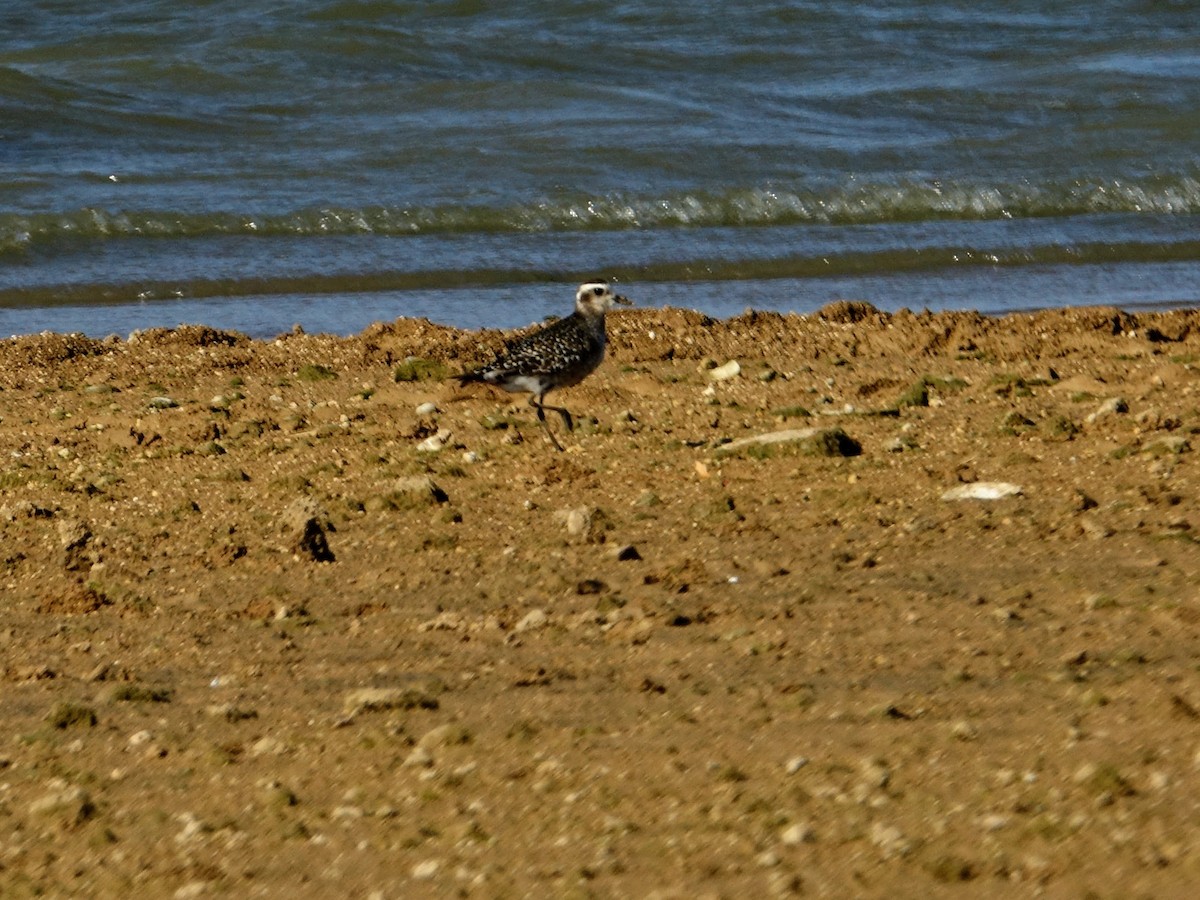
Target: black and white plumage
[(558, 355)]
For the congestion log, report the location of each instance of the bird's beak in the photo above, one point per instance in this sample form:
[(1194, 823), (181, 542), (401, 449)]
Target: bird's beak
[(624, 301)]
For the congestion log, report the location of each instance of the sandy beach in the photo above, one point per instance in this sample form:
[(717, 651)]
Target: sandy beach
[(899, 605)]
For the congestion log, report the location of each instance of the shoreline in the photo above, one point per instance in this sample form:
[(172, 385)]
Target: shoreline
[(256, 637)]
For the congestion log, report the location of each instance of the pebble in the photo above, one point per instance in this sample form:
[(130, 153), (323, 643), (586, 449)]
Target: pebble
[(420, 487), (1170, 444), (423, 871), (435, 442), (162, 403), (69, 803), (1111, 406), (983, 490), (797, 834), (819, 437), (447, 735), (419, 758), (587, 522), (795, 764), (731, 369), (385, 698), (532, 621), (890, 840), (994, 822), (964, 730), (428, 408)]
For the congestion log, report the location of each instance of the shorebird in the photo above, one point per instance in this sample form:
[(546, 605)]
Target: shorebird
[(558, 355)]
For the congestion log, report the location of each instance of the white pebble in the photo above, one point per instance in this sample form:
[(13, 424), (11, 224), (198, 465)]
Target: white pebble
[(423, 871), (797, 834)]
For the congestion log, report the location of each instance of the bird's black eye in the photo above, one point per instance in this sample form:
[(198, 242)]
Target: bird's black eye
[(598, 291)]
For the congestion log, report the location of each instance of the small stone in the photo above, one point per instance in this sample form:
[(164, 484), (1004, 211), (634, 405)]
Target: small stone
[(983, 490), (795, 764), (385, 698), (818, 441), (420, 488), (69, 804), (1093, 602), (1111, 406), (627, 553), (306, 524), (162, 403), (730, 370), (419, 758), (586, 522), (1168, 445), (428, 408), (532, 621), (1094, 529), (994, 822), (423, 871), (435, 442), (890, 840), (768, 859), (449, 735), (964, 731), (797, 834)]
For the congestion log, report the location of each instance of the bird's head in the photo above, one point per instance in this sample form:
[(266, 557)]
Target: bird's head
[(594, 297)]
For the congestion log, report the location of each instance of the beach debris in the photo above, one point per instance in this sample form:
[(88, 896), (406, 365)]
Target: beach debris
[(983, 490)]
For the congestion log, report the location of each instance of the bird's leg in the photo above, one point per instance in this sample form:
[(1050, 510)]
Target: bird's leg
[(566, 417), (536, 402)]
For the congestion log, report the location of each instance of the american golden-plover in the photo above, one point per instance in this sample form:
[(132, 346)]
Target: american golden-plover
[(559, 355)]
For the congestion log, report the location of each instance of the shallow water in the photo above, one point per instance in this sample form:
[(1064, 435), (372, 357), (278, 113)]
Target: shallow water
[(254, 165)]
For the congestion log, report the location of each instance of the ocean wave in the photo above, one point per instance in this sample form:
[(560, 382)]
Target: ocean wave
[(754, 207)]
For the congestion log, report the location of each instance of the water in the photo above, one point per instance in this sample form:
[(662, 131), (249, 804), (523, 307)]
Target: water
[(252, 165)]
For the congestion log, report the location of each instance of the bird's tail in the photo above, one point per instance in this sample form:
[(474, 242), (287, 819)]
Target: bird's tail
[(468, 377)]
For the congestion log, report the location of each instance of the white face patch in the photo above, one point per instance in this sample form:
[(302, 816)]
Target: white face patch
[(594, 296)]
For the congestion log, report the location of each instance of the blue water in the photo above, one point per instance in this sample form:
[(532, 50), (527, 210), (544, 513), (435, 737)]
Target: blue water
[(255, 165)]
